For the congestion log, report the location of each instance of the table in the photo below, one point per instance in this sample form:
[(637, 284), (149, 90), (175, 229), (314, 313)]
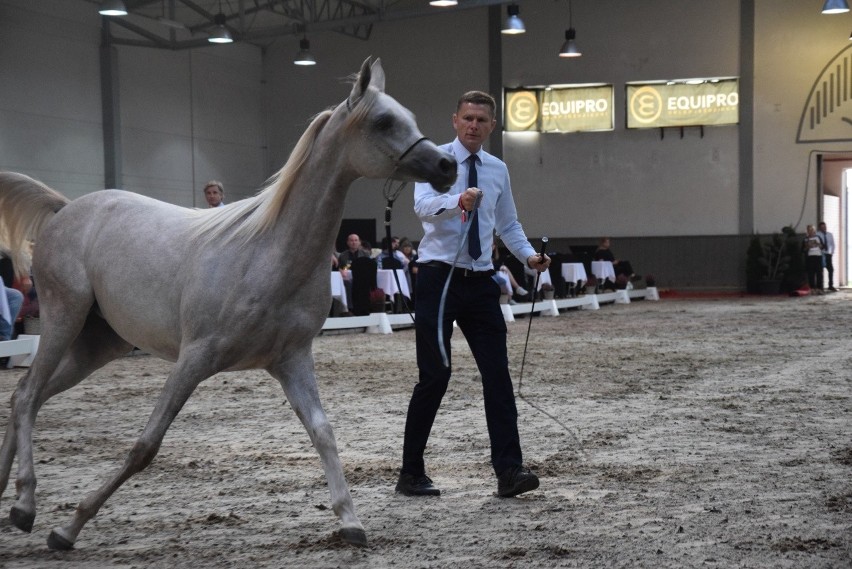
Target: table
[(386, 281), (544, 277), (338, 291), (573, 272), (603, 270)]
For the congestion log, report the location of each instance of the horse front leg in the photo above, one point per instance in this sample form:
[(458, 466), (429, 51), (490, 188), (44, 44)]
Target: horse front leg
[(182, 381), (298, 379)]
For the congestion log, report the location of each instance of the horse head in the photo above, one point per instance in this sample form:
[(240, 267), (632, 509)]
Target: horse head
[(390, 144)]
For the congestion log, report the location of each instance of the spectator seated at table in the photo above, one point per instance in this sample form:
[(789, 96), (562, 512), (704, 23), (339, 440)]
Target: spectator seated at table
[(13, 297), (346, 258), (399, 261), (621, 266), (504, 277), (410, 254)]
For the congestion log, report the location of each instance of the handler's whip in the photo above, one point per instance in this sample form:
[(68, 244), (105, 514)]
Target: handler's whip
[(544, 241)]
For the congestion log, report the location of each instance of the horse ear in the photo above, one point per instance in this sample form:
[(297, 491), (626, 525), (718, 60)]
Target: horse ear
[(377, 79), (361, 83)]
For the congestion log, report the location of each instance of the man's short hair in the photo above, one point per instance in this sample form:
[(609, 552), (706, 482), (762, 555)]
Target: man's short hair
[(478, 98), (215, 183)]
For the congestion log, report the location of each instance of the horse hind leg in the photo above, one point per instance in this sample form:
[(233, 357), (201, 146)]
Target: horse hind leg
[(95, 346), (298, 380), (182, 381)]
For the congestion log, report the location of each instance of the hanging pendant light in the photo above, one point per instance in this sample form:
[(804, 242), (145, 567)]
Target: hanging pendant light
[(569, 46), (220, 33), (514, 24), (305, 57), (835, 7), (112, 8)]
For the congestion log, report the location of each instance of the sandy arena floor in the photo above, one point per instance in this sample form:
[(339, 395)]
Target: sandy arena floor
[(695, 433)]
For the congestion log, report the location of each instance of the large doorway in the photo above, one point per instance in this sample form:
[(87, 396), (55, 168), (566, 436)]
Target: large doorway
[(834, 208)]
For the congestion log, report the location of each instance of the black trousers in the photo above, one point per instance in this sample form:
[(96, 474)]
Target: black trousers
[(813, 266), (474, 303), (829, 266)]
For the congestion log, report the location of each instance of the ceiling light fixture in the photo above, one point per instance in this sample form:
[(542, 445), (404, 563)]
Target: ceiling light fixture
[(220, 33), (305, 57), (514, 24), (569, 47), (112, 8), (835, 7), (443, 3)]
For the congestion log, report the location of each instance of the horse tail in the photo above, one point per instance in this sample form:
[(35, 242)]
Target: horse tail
[(26, 205)]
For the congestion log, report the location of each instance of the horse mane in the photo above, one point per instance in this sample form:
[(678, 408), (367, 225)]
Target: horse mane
[(26, 205), (253, 216)]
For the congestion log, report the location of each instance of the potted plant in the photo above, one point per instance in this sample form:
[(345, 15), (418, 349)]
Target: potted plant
[(771, 262)]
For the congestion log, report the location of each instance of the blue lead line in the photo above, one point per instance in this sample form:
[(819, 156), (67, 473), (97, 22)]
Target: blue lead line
[(442, 304)]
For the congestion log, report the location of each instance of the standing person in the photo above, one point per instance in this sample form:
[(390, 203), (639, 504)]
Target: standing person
[(812, 248), (828, 244), (473, 299), (214, 193)]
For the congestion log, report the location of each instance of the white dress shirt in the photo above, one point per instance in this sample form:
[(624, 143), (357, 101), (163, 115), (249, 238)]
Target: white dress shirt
[(440, 214)]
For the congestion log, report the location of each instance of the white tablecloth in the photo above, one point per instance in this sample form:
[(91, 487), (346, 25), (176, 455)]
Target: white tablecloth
[(338, 291), (386, 281), (544, 278), (603, 270), (573, 272)]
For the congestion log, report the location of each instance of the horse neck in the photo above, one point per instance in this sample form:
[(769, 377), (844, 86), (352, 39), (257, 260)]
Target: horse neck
[(314, 207)]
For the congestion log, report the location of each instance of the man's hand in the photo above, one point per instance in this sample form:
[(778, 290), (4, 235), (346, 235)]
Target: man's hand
[(467, 199), (537, 263)]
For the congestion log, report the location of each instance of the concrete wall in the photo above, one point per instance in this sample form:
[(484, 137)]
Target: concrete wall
[(185, 116), (234, 112)]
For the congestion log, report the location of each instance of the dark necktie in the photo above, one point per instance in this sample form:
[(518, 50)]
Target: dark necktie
[(473, 247)]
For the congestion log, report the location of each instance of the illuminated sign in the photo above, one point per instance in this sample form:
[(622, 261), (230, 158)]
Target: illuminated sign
[(652, 105), (558, 109)]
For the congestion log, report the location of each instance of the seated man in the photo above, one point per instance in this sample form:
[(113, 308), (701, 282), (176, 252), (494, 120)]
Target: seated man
[(354, 250), (621, 266)]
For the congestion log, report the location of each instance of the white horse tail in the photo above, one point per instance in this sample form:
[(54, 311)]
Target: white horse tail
[(25, 206)]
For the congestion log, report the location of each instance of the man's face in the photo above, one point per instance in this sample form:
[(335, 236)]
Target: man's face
[(473, 124), (353, 242), (822, 227), (213, 196)]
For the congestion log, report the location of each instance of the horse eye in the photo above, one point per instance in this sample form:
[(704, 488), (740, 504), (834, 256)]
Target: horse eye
[(384, 122)]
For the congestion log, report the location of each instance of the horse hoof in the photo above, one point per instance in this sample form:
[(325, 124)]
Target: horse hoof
[(21, 519), (58, 543), (354, 536)]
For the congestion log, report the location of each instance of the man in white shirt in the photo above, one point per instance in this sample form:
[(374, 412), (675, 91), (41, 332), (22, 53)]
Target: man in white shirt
[(479, 204)]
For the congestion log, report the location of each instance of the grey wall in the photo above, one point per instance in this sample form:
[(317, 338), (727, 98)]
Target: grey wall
[(185, 116), (234, 112)]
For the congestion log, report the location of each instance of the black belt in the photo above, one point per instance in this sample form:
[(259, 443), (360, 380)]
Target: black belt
[(458, 271)]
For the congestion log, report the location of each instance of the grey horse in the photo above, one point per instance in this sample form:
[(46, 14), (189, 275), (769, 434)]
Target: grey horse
[(116, 270)]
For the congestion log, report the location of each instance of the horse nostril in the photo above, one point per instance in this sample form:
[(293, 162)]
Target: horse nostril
[(447, 166)]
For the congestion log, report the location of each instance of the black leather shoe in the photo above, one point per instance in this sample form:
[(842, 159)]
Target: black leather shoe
[(516, 481), (411, 485)]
